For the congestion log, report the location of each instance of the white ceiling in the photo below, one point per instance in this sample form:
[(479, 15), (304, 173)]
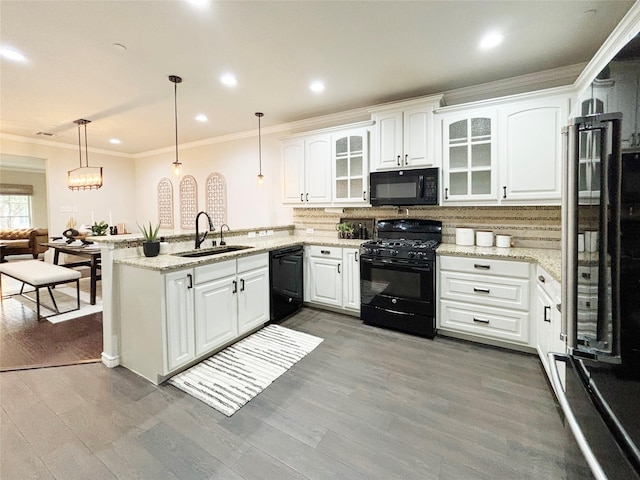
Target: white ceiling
[(367, 52)]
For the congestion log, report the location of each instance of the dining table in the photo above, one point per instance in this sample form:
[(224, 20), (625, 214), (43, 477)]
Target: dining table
[(89, 251)]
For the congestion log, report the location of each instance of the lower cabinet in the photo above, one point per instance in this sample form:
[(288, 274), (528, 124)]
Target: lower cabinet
[(200, 309), (548, 319), (485, 298), (332, 277)]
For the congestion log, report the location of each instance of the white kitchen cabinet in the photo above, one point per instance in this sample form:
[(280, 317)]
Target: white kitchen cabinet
[(469, 156), (332, 277), (530, 149), (324, 278), (215, 307), (350, 154), (403, 134), (351, 278), (253, 292), (485, 299), (547, 318), (179, 318), (307, 173)]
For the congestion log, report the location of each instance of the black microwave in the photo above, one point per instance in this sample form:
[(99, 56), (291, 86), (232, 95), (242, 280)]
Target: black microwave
[(404, 187)]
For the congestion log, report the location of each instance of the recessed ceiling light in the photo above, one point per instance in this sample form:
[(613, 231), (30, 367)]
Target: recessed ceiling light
[(201, 118), (491, 40), (229, 80), (115, 141), (11, 54), (316, 87), (199, 3)]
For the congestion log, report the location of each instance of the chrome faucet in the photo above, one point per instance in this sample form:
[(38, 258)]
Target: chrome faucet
[(199, 240), (222, 242)]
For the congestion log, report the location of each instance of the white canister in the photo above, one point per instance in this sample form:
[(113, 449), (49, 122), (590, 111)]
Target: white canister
[(164, 248), (464, 236), (591, 241), (484, 238), (503, 241)]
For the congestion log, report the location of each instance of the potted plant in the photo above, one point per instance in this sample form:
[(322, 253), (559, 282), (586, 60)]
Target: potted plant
[(345, 230), (99, 229), (151, 244)]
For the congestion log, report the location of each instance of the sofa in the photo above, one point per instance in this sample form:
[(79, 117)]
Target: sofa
[(19, 241)]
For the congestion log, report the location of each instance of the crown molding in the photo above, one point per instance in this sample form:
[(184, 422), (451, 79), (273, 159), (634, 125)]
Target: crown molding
[(626, 30), (66, 146)]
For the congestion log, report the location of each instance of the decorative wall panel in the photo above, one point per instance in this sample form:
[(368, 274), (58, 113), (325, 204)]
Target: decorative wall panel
[(188, 202), (217, 199), (165, 203)]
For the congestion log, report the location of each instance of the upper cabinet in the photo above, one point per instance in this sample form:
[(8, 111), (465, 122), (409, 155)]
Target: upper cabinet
[(504, 151), (403, 134), (350, 162), (625, 76), (327, 167), (307, 170), (469, 155)]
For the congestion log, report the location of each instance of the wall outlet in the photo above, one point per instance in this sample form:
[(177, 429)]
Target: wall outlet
[(309, 230), (269, 232), (65, 208), (262, 233), (252, 234)]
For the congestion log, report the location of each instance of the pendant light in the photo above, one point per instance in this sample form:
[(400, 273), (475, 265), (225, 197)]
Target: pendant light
[(177, 166), (84, 178), (260, 176)]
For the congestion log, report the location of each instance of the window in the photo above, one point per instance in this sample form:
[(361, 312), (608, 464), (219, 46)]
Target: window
[(15, 211)]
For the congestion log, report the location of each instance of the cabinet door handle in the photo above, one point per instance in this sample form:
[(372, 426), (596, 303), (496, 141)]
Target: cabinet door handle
[(481, 320), (586, 275), (541, 279), (406, 159), (242, 284), (364, 195), (235, 287), (307, 197), (504, 191), (481, 290), (398, 160), (632, 140), (480, 266), (356, 257), (446, 194), (302, 197), (338, 268), (190, 278), (547, 313)]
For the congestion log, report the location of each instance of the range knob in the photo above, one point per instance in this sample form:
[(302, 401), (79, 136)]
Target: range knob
[(394, 253), (412, 254)]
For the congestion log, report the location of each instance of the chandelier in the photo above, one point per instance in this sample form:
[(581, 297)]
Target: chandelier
[(84, 177)]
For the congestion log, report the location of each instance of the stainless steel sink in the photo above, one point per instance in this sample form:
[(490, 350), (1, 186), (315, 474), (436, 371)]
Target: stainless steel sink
[(212, 251)]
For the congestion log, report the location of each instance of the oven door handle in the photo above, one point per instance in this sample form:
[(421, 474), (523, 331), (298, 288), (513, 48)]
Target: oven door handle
[(390, 263)]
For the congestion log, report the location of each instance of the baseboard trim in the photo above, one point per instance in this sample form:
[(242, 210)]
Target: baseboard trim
[(110, 361)]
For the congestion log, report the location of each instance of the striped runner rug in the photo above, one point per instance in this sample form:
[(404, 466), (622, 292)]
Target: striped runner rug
[(232, 377)]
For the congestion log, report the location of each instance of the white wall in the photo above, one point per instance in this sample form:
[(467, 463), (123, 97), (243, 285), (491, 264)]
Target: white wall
[(248, 204), (116, 195)]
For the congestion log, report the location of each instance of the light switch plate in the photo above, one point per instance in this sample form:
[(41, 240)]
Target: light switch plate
[(309, 230), (262, 233), (269, 232), (252, 234)]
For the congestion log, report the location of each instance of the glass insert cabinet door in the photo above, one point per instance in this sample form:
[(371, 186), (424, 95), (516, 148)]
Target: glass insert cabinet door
[(469, 157), (351, 166)]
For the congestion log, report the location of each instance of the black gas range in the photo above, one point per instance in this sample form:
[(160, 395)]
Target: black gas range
[(397, 276)]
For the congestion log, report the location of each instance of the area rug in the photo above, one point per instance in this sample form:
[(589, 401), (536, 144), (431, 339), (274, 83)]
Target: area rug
[(65, 299), (232, 377)]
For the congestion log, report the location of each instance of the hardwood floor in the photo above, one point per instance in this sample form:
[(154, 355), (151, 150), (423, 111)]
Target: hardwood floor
[(26, 342), (366, 404)]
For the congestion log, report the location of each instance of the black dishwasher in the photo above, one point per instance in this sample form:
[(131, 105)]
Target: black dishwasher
[(285, 280)]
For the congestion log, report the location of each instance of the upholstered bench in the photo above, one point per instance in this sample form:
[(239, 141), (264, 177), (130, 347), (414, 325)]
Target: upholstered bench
[(39, 275)]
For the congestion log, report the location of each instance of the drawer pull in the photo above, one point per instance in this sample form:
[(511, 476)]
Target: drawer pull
[(481, 290), (325, 252), (541, 279), (481, 320), (547, 313), (480, 266), (586, 275)]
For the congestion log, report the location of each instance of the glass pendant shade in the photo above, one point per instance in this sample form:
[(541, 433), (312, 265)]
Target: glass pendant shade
[(84, 177)]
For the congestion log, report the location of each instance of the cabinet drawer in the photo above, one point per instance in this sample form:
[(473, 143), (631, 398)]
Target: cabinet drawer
[(501, 324), (213, 271), (252, 262), (325, 252), (547, 283), (488, 266), (485, 290)]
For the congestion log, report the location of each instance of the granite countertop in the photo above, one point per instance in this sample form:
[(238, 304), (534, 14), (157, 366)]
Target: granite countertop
[(550, 260), (169, 262)]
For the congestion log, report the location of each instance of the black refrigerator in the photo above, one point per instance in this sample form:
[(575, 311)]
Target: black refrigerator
[(597, 379)]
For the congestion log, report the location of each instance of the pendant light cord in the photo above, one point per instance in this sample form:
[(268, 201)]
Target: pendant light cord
[(175, 114), (86, 147), (260, 145), (79, 146)]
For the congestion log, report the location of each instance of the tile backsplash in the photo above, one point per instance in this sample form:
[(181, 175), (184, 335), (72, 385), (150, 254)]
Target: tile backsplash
[(537, 227)]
